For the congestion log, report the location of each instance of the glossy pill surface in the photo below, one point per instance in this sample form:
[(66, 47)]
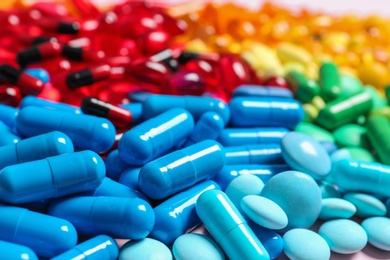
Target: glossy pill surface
[(258, 135), (86, 132), (333, 208), (55, 176), (302, 243), (130, 218), (343, 236), (366, 205), (187, 247), (16, 251), (228, 227), (176, 215), (303, 153), (270, 239), (298, 195), (378, 232), (254, 154), (259, 111), (35, 148), (155, 136), (51, 237), (181, 169), (146, 248), (99, 247)]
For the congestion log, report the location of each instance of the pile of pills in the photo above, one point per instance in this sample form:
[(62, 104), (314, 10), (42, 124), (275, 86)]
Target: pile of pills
[(144, 133)]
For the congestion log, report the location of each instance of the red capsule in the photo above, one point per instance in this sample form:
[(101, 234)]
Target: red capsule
[(88, 76), (26, 83), (58, 26), (52, 9), (186, 83), (135, 26), (116, 92), (154, 42), (156, 73), (79, 54), (277, 82), (39, 52), (169, 24), (206, 69), (10, 95)]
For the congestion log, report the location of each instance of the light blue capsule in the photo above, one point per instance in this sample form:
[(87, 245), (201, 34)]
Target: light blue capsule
[(146, 249), (334, 208), (366, 205), (262, 91), (39, 73), (378, 232), (129, 178), (303, 153), (254, 154), (343, 236), (195, 247), (302, 243), (16, 252), (8, 115), (7, 136), (115, 166), (44, 103)]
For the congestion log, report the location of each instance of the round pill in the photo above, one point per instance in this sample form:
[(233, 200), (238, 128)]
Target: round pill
[(147, 249), (333, 208), (366, 205), (303, 153), (378, 232), (297, 194), (196, 246), (343, 236), (264, 212), (302, 243), (242, 186)]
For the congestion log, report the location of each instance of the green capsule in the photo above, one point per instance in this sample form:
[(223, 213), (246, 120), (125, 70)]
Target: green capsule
[(387, 93), (314, 131), (378, 129), (311, 112), (351, 135), (329, 81), (344, 111), (349, 86), (305, 89), (377, 100), (384, 111)]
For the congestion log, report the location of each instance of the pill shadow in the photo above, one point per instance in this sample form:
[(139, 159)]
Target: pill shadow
[(376, 253)]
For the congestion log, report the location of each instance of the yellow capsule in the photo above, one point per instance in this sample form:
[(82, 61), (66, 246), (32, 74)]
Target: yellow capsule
[(312, 71), (311, 112), (318, 102), (375, 74), (291, 52)]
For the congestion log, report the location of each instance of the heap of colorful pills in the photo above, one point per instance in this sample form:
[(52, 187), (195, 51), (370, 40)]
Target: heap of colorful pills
[(141, 132)]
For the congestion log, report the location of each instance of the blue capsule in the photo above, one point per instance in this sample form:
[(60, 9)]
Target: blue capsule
[(155, 136), (209, 126), (35, 148), (96, 248), (177, 215), (181, 169), (264, 172), (129, 218), (136, 112), (86, 132), (197, 106), (52, 177), (130, 178), (255, 153), (265, 111), (40, 73), (255, 135), (115, 165), (8, 115), (262, 91), (7, 136), (43, 103), (46, 235), (112, 188), (16, 252)]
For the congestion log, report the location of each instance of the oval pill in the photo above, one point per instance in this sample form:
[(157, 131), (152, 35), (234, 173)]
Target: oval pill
[(187, 247), (147, 248), (334, 208), (366, 205), (264, 212), (378, 232), (302, 243), (343, 236)]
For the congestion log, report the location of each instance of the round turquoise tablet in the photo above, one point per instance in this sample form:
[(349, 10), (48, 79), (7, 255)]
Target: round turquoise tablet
[(196, 246), (343, 236), (297, 194), (146, 249), (264, 212), (366, 205), (302, 243), (303, 153), (333, 208), (242, 186), (378, 232)]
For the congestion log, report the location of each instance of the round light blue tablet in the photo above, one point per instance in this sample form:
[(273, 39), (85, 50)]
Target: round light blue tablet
[(333, 208), (303, 153), (242, 186), (146, 249), (264, 212), (302, 243), (196, 246), (366, 205), (378, 232), (298, 195), (343, 236)]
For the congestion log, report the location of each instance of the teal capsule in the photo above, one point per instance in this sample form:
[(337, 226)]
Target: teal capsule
[(305, 89), (378, 129), (329, 81), (349, 86), (351, 135)]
